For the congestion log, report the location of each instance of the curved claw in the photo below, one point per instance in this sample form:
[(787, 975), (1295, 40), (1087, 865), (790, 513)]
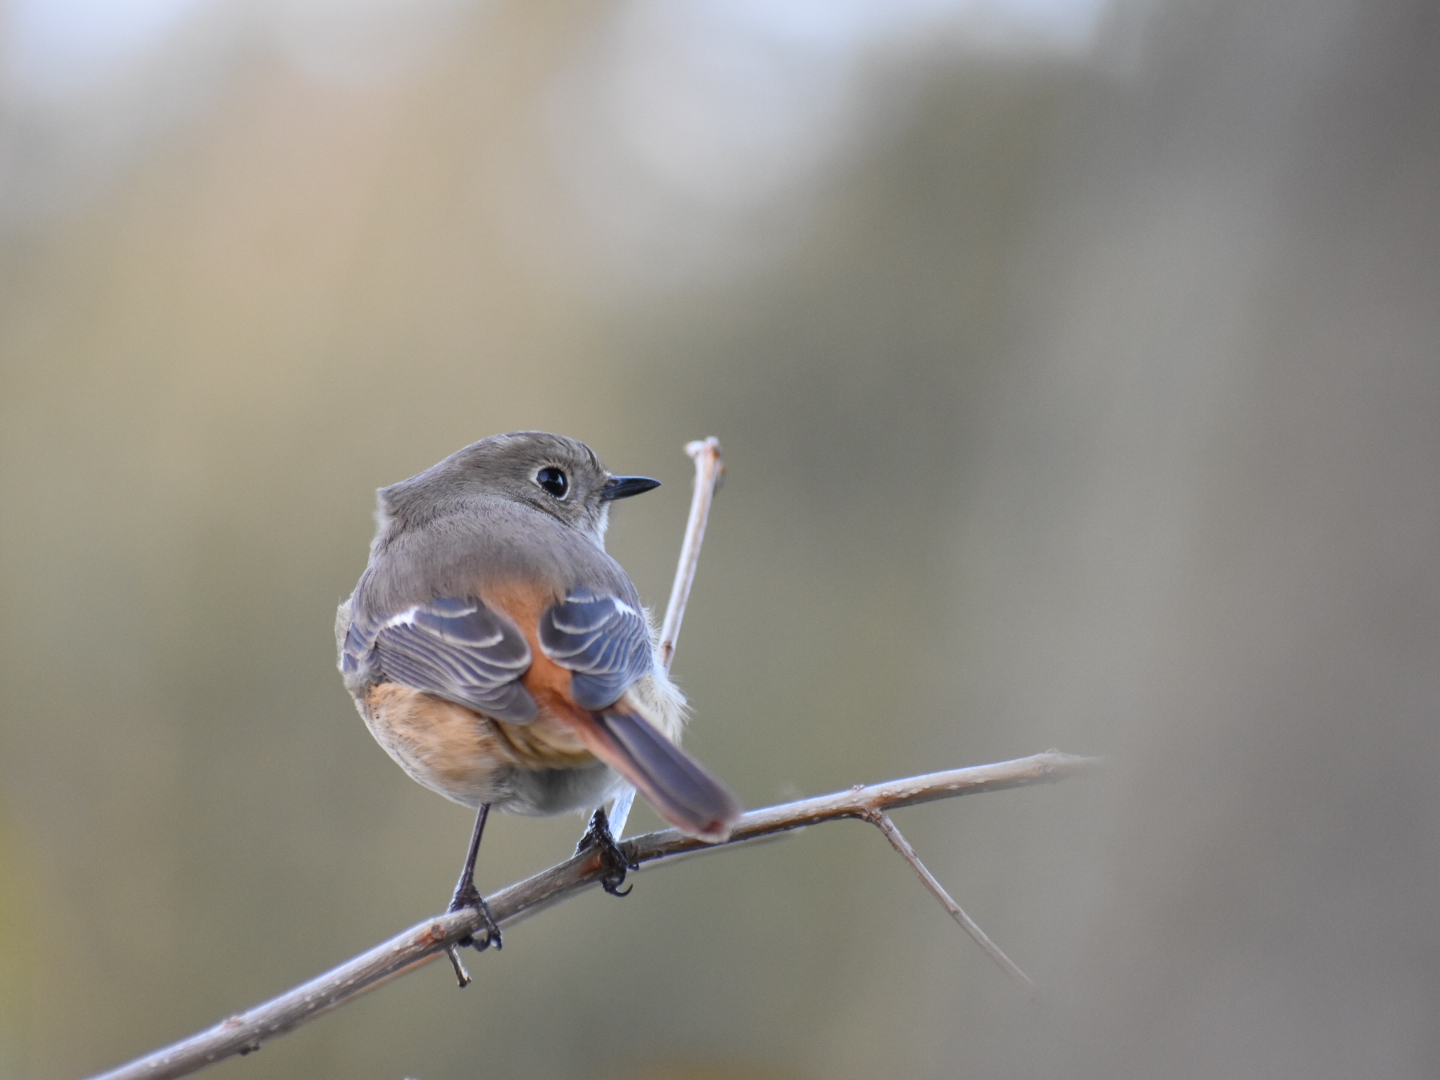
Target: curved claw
[(467, 896), (612, 855)]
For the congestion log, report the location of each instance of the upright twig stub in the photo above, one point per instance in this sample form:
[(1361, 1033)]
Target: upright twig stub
[(708, 471)]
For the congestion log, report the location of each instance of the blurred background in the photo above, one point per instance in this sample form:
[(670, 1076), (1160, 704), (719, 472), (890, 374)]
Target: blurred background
[(1076, 365)]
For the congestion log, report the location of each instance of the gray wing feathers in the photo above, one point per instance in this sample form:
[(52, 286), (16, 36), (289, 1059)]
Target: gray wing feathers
[(603, 639), (455, 649)]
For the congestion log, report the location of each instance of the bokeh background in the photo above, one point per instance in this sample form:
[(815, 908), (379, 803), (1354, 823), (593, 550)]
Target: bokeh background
[(1078, 368)]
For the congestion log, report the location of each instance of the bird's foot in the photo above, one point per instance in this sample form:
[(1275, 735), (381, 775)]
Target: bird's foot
[(467, 896), (612, 856)]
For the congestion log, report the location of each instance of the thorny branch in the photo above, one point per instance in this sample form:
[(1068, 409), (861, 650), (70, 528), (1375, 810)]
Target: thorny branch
[(428, 940), (438, 936)]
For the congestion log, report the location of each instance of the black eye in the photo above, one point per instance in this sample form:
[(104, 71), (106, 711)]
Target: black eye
[(553, 481)]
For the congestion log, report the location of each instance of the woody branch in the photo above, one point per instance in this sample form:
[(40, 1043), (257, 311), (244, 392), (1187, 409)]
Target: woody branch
[(428, 941), (438, 936)]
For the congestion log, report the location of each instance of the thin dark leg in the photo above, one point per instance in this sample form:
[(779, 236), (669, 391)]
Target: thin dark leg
[(466, 895), (616, 863)]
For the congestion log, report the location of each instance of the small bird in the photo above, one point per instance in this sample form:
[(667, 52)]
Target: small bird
[(503, 659)]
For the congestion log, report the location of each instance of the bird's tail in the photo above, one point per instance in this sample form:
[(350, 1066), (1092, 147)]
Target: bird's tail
[(685, 794)]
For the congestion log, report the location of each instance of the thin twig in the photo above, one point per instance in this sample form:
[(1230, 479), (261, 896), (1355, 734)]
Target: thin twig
[(708, 471), (461, 975), (971, 927), (428, 940)]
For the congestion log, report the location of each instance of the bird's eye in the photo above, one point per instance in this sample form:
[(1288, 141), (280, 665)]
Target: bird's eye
[(553, 480)]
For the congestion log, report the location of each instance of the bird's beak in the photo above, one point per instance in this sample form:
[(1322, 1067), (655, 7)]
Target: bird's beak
[(622, 487)]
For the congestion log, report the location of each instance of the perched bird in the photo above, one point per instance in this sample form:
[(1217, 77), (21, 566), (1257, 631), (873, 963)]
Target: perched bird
[(503, 659)]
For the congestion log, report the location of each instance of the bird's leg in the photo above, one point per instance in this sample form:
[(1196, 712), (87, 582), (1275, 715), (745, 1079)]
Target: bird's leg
[(467, 895), (612, 857)]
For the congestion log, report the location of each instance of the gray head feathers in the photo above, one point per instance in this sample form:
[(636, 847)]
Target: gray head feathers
[(556, 475)]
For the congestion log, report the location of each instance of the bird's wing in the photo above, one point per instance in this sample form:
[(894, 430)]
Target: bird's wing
[(603, 639), (455, 649)]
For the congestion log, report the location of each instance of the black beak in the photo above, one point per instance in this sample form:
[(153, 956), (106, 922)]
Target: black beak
[(622, 487)]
